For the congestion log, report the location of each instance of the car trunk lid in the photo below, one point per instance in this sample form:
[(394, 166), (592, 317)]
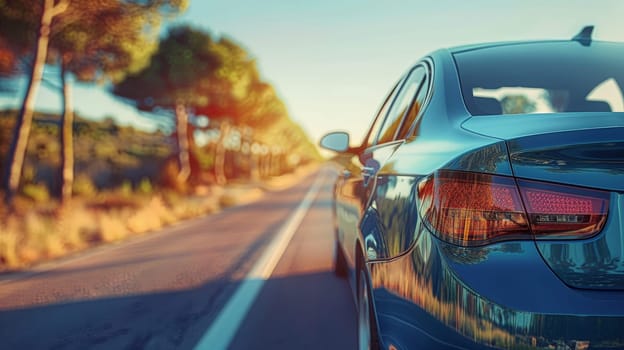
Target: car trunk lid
[(580, 150)]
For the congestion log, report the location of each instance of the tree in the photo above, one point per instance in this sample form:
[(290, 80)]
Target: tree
[(48, 10), (176, 80), (192, 73), (252, 103), (230, 95), (92, 40), (240, 99), (102, 43), (517, 104), (288, 135)]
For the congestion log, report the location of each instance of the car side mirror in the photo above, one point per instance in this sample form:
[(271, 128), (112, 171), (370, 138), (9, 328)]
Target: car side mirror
[(335, 141)]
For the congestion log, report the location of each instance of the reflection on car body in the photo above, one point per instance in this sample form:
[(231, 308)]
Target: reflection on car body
[(493, 216)]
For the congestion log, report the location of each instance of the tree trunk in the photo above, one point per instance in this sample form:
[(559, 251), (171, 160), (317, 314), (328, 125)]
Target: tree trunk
[(219, 159), (17, 150), (67, 140), (254, 159), (184, 153)]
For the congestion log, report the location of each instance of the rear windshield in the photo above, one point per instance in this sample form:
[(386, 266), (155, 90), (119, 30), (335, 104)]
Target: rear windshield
[(545, 77)]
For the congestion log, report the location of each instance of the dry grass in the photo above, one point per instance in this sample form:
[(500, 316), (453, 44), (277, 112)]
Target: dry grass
[(40, 231), (8, 243)]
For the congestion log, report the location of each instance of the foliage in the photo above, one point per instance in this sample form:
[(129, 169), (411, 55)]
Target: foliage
[(107, 39), (49, 9), (126, 188), (290, 138), (193, 73), (178, 71), (105, 155), (122, 40), (84, 186), (145, 186), (517, 104), (8, 59), (95, 41), (17, 20), (231, 85), (186, 72), (175, 80), (37, 192)]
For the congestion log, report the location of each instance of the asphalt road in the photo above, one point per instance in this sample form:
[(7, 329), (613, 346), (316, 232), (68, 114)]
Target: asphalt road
[(165, 290)]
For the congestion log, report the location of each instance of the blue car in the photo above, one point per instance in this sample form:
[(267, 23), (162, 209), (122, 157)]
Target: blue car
[(484, 208)]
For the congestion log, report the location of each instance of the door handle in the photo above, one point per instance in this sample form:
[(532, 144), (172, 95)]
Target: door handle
[(367, 173), (368, 170)]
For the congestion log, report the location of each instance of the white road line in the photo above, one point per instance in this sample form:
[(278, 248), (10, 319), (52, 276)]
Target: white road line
[(226, 324)]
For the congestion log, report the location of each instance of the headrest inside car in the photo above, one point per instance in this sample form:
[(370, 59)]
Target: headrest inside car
[(589, 106), (487, 105)]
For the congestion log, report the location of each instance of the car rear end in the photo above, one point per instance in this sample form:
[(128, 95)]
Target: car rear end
[(532, 256), (538, 255)]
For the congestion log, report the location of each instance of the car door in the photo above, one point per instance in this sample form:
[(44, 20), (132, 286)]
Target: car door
[(398, 123), (359, 176), (390, 209), (350, 184)]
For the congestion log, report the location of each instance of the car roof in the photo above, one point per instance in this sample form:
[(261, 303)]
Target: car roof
[(481, 46)]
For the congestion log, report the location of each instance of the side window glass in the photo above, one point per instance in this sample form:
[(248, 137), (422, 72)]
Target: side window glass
[(374, 129), (415, 109), (401, 104)]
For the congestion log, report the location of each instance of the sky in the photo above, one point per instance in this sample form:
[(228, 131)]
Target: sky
[(332, 62)]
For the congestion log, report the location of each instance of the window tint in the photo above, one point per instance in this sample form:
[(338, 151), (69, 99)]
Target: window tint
[(401, 105), (553, 77), (374, 129)]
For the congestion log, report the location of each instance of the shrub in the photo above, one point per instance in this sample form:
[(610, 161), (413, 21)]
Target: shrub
[(8, 245), (37, 192), (126, 188), (74, 222), (84, 186), (111, 226), (145, 186)]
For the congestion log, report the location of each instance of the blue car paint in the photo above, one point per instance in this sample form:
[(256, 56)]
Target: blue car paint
[(432, 294)]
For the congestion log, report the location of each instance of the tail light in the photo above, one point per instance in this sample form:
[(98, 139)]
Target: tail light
[(563, 211), (474, 209)]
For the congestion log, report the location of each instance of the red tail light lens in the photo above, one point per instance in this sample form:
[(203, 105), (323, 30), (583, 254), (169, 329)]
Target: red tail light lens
[(474, 209), (563, 211)]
